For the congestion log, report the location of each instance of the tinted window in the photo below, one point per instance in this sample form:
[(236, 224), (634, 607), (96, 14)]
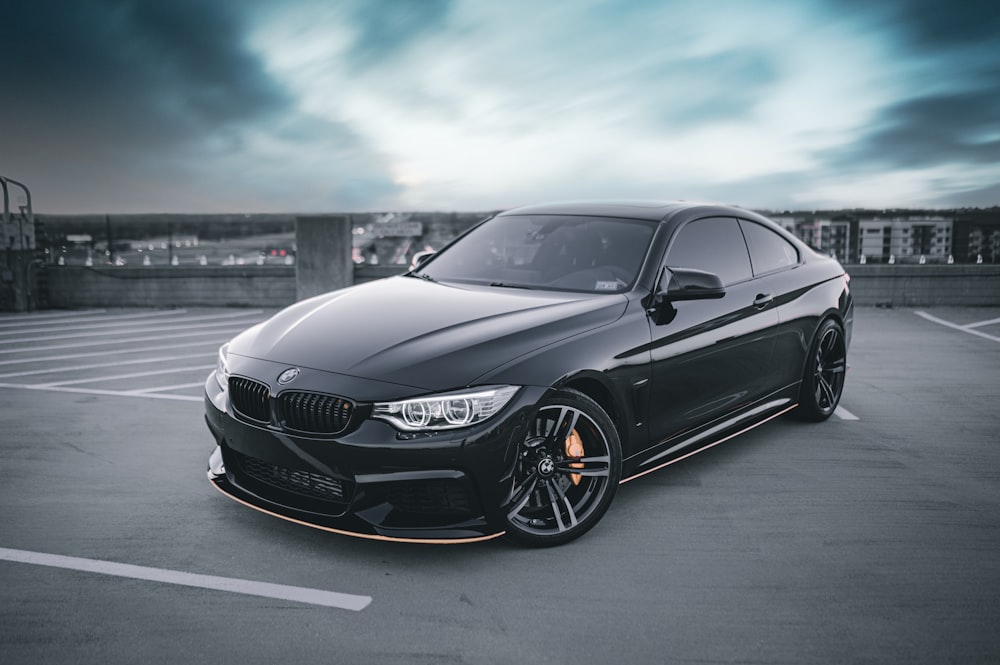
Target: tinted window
[(768, 250), (594, 254), (715, 245)]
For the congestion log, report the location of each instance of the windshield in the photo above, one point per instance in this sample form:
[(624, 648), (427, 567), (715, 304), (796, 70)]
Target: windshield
[(591, 254)]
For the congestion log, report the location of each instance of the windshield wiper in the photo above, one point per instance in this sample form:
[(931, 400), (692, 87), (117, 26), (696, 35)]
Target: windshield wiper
[(504, 285), (421, 275)]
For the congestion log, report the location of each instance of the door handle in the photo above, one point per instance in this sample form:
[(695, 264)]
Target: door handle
[(763, 300)]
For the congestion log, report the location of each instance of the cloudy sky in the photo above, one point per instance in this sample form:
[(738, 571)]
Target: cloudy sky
[(361, 105)]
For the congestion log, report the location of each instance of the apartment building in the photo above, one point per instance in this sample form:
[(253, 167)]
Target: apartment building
[(905, 239), (976, 236), (868, 237)]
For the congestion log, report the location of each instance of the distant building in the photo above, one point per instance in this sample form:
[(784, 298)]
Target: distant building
[(905, 239), (977, 234), (837, 236), (902, 236), (833, 237), (786, 222)]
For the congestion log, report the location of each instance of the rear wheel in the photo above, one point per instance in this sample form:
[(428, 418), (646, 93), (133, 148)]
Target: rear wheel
[(826, 367), (566, 473)]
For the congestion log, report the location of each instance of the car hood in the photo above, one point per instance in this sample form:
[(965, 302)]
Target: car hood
[(421, 334)]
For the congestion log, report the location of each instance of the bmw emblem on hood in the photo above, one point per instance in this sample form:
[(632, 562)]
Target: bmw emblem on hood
[(288, 375)]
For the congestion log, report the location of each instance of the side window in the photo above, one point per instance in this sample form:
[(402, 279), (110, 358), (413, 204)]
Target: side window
[(768, 250), (714, 244)]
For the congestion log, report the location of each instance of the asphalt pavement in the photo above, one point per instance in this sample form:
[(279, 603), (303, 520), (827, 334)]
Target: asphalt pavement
[(871, 538)]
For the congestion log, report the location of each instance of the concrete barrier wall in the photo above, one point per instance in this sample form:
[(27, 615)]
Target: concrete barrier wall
[(247, 286), (371, 273), (926, 285), (275, 286)]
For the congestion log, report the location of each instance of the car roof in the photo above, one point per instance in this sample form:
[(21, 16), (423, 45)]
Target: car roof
[(648, 210)]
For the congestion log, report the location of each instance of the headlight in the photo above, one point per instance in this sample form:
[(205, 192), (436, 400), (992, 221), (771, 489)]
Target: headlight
[(445, 411), (221, 368)]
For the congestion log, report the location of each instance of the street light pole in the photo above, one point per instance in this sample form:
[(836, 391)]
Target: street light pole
[(18, 267), (6, 207), (6, 200)]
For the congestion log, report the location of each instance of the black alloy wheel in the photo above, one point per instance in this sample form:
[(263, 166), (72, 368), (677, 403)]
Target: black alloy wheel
[(826, 367), (566, 472)]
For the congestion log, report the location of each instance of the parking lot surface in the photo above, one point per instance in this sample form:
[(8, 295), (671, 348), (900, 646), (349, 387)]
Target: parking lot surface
[(871, 538)]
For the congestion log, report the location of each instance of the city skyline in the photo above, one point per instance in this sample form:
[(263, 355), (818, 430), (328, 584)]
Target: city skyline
[(225, 106)]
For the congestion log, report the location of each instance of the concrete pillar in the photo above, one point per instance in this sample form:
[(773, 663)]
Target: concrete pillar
[(18, 281), (322, 254)]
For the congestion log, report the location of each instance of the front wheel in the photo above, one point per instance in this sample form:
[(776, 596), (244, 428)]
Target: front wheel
[(823, 380), (566, 472)]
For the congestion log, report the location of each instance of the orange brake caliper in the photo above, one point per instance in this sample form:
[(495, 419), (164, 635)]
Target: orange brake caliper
[(574, 449)]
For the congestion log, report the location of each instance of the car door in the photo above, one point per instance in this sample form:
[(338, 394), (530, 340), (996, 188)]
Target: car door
[(774, 261), (710, 356)]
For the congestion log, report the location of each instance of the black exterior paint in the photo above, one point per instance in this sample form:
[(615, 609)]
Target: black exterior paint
[(673, 376)]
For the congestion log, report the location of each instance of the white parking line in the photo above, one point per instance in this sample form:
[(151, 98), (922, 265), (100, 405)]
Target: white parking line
[(844, 414), (131, 331), (179, 386), (110, 352), (76, 368), (20, 318), (980, 324), (97, 391), (115, 377), (966, 329), (344, 601), (119, 342), (119, 326), (89, 317)]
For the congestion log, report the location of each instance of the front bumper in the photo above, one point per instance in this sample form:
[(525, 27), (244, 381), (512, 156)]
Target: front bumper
[(373, 481)]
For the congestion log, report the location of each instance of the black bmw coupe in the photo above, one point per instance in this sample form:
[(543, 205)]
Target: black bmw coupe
[(511, 382)]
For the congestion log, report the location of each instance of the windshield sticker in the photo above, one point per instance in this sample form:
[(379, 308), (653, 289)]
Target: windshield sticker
[(606, 286)]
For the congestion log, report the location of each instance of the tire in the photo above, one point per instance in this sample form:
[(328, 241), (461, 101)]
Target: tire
[(566, 471), (823, 379)]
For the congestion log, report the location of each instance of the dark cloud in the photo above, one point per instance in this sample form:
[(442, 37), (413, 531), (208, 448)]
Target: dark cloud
[(937, 129), (115, 102), (132, 71), (387, 27), (952, 54), (931, 25), (162, 104), (103, 92)]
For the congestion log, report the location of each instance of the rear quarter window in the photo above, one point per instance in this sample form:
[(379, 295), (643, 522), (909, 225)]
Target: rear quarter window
[(768, 250)]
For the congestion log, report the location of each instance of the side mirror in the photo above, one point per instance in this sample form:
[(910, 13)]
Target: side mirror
[(678, 284), (689, 284)]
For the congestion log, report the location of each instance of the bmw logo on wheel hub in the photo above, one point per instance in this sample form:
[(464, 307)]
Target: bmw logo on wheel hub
[(546, 467)]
